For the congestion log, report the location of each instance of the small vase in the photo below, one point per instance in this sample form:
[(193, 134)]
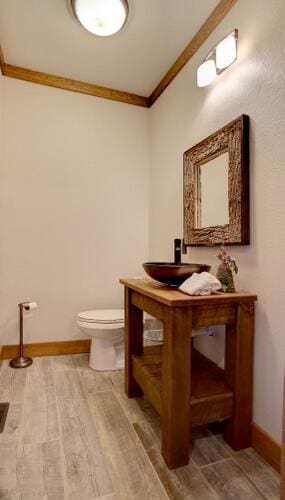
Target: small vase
[(225, 276)]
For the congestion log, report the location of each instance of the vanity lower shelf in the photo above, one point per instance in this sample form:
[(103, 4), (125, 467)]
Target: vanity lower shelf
[(211, 399)]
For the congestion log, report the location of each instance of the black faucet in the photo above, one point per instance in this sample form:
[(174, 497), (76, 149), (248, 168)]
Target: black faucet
[(177, 250)]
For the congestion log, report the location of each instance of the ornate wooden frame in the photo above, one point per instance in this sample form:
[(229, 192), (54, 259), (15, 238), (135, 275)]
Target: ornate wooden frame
[(233, 138)]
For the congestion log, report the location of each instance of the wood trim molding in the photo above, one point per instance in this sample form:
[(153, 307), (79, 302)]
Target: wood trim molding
[(74, 85), (217, 15), (2, 62), (47, 349), (283, 452), (266, 447), (214, 19)]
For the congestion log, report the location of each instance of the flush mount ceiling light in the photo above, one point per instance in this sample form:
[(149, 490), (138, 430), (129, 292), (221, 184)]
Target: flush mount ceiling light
[(101, 17), (220, 58)]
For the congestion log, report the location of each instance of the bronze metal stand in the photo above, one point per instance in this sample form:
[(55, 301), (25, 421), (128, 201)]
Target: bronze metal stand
[(21, 361)]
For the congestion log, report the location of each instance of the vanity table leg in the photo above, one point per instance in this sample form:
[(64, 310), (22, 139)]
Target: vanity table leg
[(133, 342), (176, 386), (239, 376)]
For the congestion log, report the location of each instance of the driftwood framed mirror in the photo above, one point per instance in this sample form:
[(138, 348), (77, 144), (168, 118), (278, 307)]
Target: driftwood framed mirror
[(216, 188)]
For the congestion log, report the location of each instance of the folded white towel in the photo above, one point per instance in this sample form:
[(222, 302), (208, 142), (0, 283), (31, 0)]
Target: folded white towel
[(200, 284)]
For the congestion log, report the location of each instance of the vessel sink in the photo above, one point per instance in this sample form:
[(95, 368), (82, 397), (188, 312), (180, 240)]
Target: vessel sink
[(171, 273)]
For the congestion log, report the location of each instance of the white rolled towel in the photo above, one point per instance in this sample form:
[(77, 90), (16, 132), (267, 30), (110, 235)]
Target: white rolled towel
[(200, 284)]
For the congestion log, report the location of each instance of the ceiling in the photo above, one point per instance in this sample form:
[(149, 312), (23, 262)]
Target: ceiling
[(43, 35)]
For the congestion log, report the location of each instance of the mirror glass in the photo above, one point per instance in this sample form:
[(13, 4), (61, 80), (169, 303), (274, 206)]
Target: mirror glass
[(212, 192)]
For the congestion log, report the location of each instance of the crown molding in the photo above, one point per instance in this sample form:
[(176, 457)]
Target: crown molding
[(214, 19), (2, 62), (74, 85)]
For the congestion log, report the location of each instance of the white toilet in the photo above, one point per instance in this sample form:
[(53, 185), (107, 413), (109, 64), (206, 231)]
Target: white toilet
[(107, 330)]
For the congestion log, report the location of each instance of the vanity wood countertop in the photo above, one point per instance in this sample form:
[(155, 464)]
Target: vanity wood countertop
[(185, 387), (171, 296)]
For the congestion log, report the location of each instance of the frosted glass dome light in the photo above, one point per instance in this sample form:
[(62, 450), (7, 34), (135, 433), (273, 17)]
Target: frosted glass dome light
[(206, 73), (101, 17)]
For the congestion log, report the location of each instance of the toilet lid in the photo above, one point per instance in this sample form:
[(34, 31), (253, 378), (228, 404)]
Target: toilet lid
[(103, 316)]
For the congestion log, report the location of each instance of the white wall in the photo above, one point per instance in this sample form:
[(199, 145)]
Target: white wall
[(184, 115), (74, 200)]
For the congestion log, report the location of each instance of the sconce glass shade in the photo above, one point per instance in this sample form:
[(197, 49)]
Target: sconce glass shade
[(226, 52), (206, 73), (101, 17)]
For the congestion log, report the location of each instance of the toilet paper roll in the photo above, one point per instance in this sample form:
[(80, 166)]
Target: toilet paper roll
[(29, 306)]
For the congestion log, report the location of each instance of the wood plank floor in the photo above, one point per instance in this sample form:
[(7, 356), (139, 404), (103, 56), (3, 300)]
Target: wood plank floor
[(72, 434)]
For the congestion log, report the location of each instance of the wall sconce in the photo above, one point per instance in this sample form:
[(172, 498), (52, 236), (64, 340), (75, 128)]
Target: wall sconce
[(220, 58)]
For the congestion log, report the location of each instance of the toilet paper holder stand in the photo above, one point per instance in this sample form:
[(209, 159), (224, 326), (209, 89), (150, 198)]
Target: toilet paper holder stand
[(22, 361)]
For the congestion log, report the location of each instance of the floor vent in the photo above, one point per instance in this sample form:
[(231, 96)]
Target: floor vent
[(4, 407)]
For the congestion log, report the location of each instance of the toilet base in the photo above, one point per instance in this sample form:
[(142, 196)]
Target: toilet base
[(106, 356)]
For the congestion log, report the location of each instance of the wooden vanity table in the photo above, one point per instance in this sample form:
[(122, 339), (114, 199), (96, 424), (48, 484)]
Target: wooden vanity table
[(185, 387)]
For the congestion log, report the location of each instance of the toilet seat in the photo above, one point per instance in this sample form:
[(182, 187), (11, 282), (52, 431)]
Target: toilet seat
[(103, 317)]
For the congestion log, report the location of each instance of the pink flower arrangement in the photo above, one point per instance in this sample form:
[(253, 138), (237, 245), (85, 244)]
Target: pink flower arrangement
[(227, 259)]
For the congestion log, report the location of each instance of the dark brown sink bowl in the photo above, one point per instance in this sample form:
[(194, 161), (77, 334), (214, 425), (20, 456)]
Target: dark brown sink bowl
[(173, 274)]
